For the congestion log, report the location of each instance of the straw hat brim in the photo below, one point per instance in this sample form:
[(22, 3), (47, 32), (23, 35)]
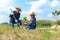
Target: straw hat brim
[(18, 8)]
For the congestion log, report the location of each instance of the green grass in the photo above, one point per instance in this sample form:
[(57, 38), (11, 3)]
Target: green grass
[(43, 24), (7, 33)]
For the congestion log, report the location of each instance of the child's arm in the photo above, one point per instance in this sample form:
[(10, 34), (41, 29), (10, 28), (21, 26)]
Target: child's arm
[(32, 21)]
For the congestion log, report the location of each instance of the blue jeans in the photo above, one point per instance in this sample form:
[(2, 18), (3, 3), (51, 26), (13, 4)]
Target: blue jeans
[(12, 24), (31, 27), (19, 22)]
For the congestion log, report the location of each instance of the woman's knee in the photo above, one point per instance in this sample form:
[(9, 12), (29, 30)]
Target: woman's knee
[(12, 24)]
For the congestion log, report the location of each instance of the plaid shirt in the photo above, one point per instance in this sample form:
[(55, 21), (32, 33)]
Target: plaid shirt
[(33, 22), (16, 15)]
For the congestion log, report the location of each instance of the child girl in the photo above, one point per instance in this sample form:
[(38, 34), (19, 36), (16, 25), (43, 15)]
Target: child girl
[(32, 24)]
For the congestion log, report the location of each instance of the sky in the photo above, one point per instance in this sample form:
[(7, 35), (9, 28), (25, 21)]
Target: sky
[(42, 8)]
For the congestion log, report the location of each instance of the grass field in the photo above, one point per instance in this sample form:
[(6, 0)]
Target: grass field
[(7, 33)]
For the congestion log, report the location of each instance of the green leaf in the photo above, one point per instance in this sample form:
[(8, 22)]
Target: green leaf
[(55, 11), (58, 13), (24, 18)]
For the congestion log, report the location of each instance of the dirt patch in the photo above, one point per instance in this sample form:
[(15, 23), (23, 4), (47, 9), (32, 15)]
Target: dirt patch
[(55, 26)]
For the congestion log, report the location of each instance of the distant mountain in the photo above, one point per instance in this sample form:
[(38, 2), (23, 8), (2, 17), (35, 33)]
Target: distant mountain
[(4, 23), (44, 21)]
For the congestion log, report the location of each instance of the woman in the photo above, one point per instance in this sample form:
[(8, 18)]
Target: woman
[(16, 15)]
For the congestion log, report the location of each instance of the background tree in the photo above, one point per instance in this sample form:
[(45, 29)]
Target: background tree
[(56, 14)]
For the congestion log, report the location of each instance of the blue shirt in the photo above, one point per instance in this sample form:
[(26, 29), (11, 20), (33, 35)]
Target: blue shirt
[(16, 15), (32, 23), (11, 18)]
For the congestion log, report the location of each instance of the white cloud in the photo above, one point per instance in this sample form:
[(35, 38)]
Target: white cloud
[(35, 5), (55, 3), (4, 5), (50, 15), (3, 18)]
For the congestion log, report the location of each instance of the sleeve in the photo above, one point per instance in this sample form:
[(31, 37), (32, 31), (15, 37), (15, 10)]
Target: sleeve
[(29, 24), (33, 21), (14, 14)]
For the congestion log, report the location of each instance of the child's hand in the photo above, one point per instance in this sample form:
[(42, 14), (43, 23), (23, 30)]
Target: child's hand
[(25, 24)]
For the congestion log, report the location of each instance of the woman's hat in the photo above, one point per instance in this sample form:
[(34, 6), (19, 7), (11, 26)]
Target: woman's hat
[(18, 8)]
